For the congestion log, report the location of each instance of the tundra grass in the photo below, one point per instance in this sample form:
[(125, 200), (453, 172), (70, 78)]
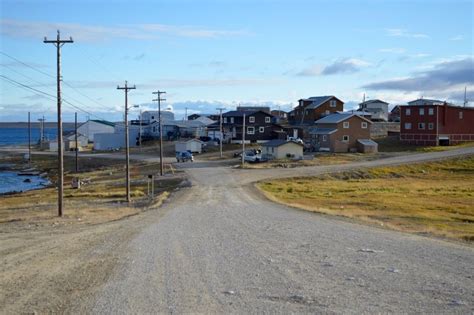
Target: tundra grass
[(434, 198), (100, 199)]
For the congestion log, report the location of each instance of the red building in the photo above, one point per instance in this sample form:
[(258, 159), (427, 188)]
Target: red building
[(433, 122)]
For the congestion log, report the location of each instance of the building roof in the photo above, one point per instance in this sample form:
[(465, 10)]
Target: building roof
[(367, 142), (373, 101), (236, 113), (426, 101), (104, 122), (318, 100), (278, 142), (322, 131), (337, 118)]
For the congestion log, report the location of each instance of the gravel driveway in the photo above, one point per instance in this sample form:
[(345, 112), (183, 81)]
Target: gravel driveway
[(222, 248)]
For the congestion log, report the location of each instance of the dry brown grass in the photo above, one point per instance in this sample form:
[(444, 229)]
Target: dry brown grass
[(101, 199), (435, 198)]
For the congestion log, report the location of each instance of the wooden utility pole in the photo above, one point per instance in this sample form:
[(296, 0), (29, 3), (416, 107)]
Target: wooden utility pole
[(75, 136), (29, 139), (126, 88), (243, 142), (159, 99), (220, 128), (58, 42)]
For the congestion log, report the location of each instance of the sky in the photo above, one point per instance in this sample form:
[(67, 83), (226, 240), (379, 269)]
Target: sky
[(211, 54)]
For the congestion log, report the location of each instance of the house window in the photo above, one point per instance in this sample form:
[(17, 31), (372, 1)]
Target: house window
[(250, 130), (345, 124), (430, 126), (364, 125), (251, 119), (431, 111), (261, 129), (327, 112), (408, 112), (231, 120), (345, 138), (325, 138), (268, 119), (460, 115), (407, 126), (422, 111), (154, 129), (225, 120), (306, 112), (152, 117), (332, 103), (421, 126)]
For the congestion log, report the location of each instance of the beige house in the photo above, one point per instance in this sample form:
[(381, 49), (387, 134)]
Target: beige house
[(282, 149)]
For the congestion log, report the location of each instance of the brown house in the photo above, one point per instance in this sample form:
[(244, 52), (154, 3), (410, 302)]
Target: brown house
[(339, 132), (259, 126), (311, 109)]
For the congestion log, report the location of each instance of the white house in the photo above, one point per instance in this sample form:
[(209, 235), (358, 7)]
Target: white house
[(69, 142), (282, 149), (116, 140), (92, 127), (151, 116), (193, 145), (377, 108)]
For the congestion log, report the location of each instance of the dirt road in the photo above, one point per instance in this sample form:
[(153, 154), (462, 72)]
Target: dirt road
[(219, 247)]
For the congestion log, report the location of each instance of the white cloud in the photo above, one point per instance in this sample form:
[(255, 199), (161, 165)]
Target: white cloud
[(95, 33), (399, 32), (393, 50), (457, 37)]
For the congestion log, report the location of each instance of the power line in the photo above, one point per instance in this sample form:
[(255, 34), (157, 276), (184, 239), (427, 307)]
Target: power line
[(27, 65), (53, 97), (42, 72), (26, 86)]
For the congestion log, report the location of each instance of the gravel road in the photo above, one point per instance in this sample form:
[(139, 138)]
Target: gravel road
[(222, 248)]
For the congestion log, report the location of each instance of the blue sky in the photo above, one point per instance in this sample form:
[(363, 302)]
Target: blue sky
[(209, 54)]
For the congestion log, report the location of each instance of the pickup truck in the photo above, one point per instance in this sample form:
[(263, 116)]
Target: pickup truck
[(184, 156)]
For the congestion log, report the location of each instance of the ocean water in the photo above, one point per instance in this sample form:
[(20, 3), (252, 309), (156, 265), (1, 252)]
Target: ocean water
[(19, 136), (10, 181)]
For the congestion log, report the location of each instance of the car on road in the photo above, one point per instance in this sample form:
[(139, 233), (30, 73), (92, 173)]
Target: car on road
[(184, 156), (254, 156)]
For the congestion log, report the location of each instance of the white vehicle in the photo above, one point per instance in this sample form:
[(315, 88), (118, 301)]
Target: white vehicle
[(297, 140), (253, 156)]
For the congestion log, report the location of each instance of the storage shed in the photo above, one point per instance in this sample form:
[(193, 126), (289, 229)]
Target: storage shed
[(367, 146), (282, 149), (193, 145)]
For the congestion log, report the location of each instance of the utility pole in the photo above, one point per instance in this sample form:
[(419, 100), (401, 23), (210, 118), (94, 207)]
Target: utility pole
[(29, 139), (140, 135), (243, 142), (220, 128), (41, 120), (59, 43), (126, 88), (75, 136), (465, 96), (159, 99)]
